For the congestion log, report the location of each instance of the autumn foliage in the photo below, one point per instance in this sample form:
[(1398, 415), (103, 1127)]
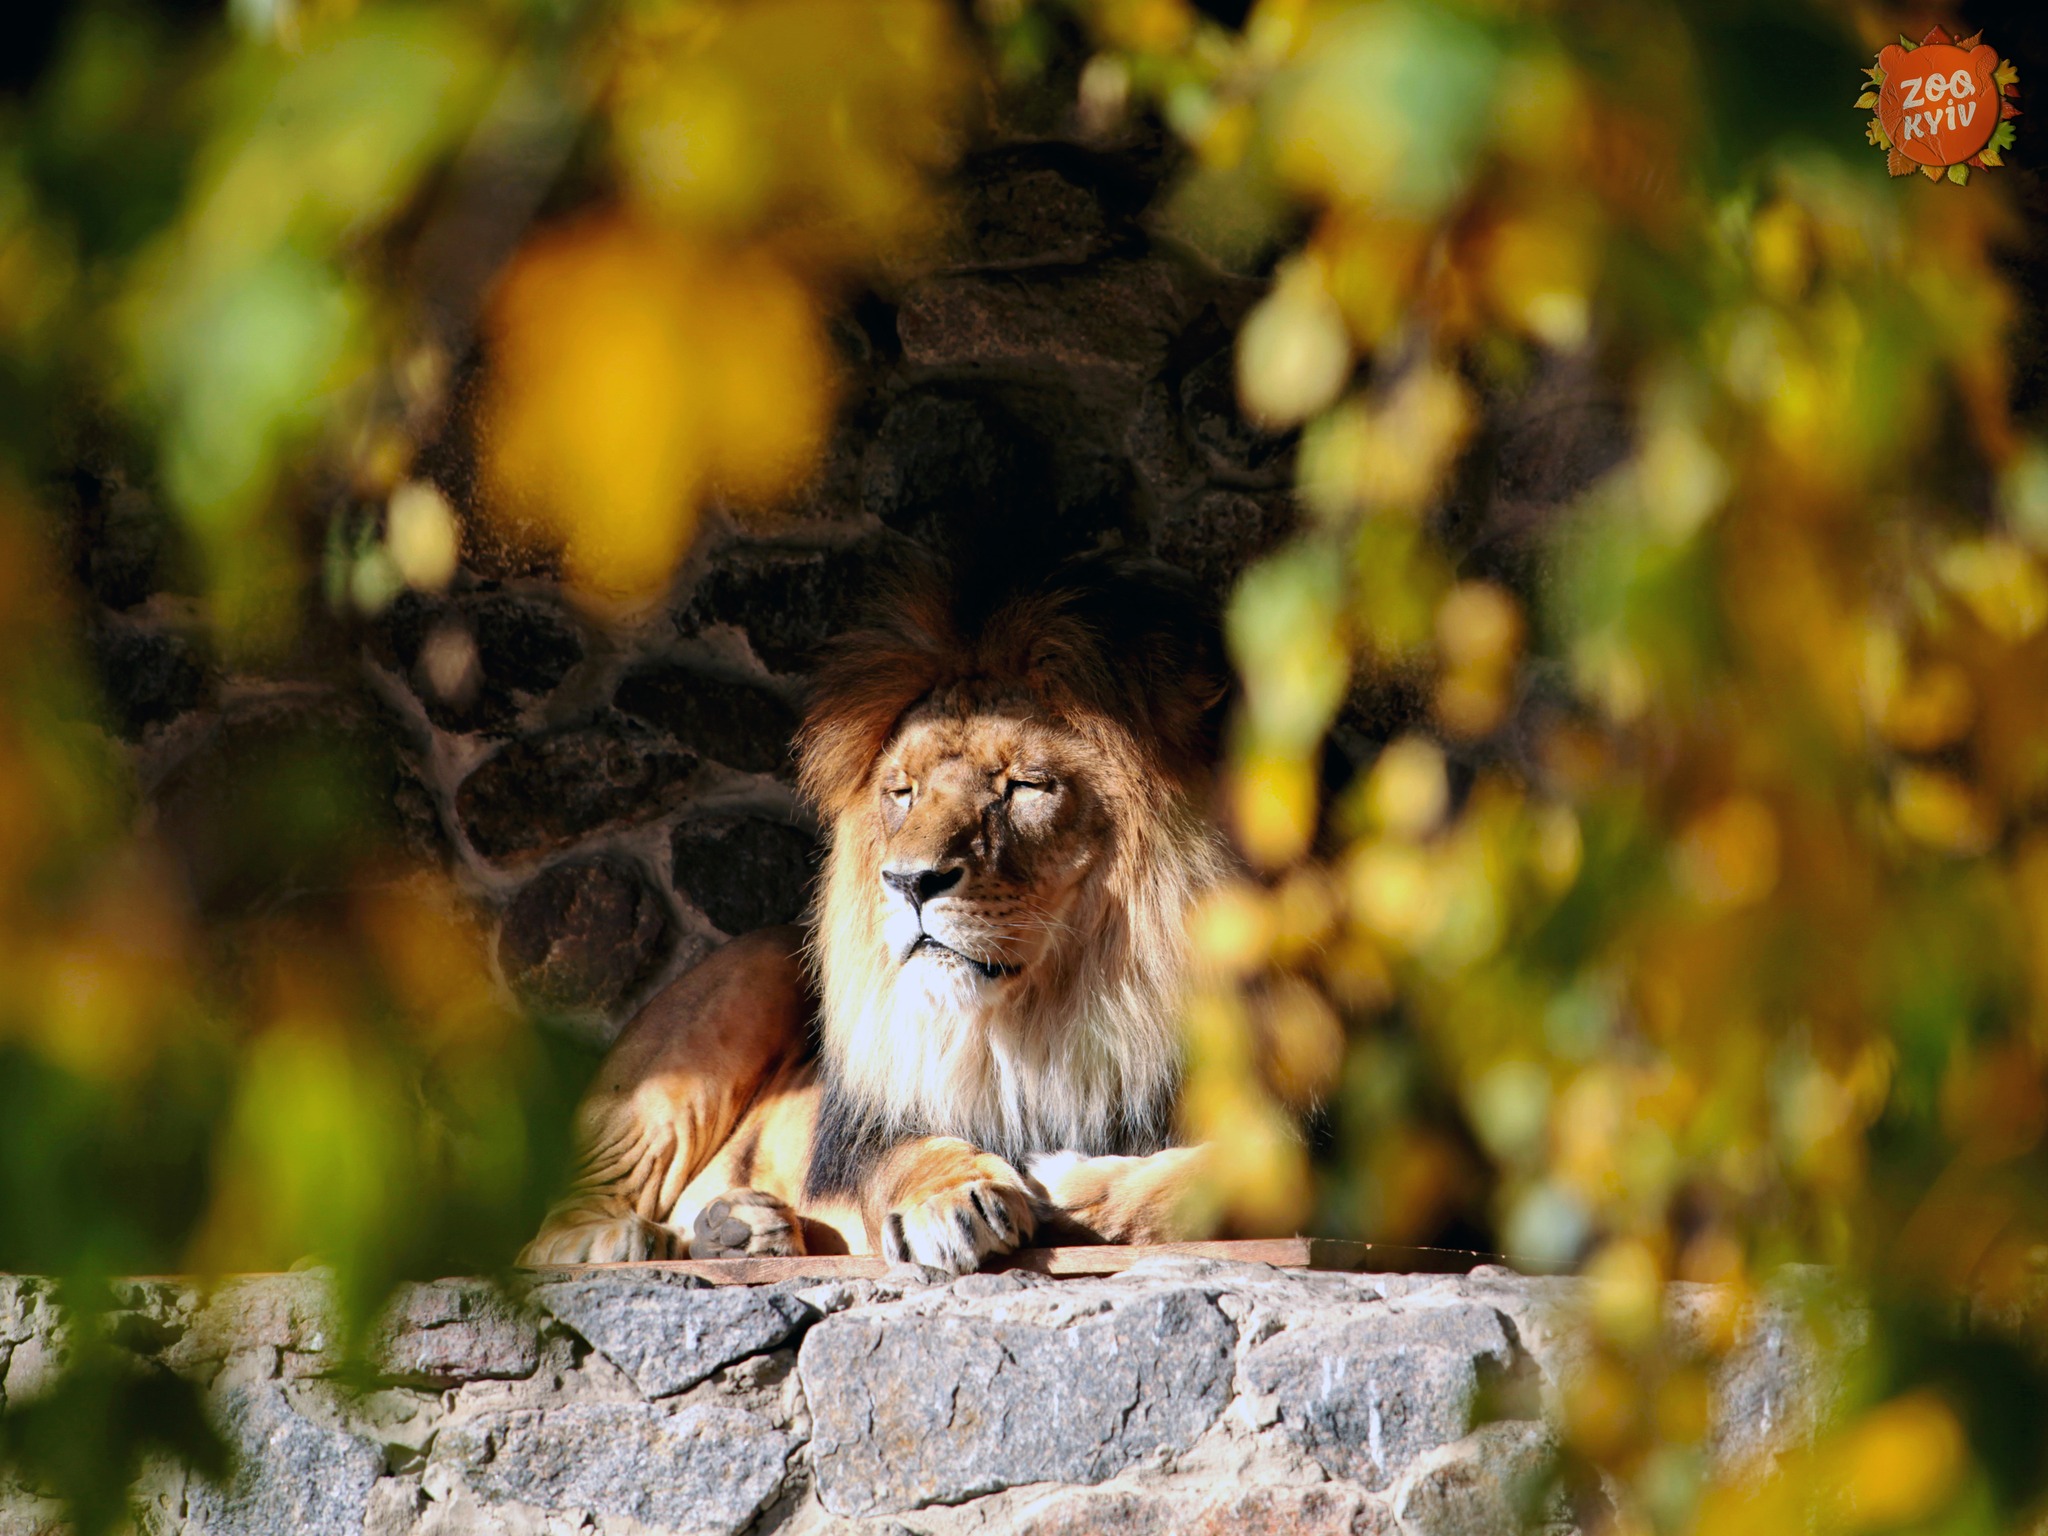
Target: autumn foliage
[(1692, 925)]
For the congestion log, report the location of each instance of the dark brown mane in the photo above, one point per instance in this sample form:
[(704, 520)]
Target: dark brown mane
[(1124, 640)]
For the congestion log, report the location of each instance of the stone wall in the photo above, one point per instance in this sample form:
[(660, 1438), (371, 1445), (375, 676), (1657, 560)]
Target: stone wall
[(1183, 1397)]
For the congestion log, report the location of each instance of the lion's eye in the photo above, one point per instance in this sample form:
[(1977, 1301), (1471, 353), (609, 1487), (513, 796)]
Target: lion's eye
[(1027, 789), (901, 793)]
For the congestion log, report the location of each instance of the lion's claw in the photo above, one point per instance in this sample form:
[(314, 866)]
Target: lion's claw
[(958, 1228)]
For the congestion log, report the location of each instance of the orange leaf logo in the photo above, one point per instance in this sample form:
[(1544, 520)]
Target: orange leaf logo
[(1942, 106)]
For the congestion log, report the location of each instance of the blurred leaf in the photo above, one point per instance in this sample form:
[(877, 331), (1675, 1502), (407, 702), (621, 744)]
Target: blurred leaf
[(84, 1439), (825, 115), (633, 375), (1386, 104)]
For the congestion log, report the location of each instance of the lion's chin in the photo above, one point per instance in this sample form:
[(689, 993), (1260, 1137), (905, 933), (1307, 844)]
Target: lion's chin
[(926, 950)]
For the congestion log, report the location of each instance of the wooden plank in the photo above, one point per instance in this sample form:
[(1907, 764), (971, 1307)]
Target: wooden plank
[(1092, 1259)]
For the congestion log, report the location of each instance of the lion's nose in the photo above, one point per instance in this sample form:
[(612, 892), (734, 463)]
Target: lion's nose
[(919, 884)]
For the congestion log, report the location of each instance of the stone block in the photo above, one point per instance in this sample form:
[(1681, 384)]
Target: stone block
[(291, 1474), (1493, 1482), (998, 472), (28, 1308), (1116, 316), (1325, 1510), (740, 724), (1032, 205), (543, 791), (786, 600), (584, 934), (518, 649), (1775, 1389), (271, 806), (291, 1313), (1366, 1394), (705, 1470), (1215, 534), (908, 1411), (121, 542), (148, 675), (744, 872), (453, 1331), (1214, 424), (669, 1337)]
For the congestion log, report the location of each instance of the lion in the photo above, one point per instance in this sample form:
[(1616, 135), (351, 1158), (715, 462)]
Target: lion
[(977, 1041)]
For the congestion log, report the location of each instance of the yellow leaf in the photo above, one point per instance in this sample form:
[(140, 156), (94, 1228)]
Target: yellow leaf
[(633, 373), (1293, 355), (1408, 792), (1902, 1462), (1232, 929), (1390, 452), (2000, 583), (421, 536), (1940, 810), (837, 110), (1626, 1290), (1274, 801), (1728, 857)]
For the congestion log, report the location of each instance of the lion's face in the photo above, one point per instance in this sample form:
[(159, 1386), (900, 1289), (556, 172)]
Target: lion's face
[(989, 832), (1015, 795)]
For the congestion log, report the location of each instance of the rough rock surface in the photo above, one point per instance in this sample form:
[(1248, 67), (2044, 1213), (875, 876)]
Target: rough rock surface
[(921, 1410), (668, 1336), (1184, 1397), (744, 872), (150, 676), (454, 1331), (480, 661), (1366, 1393), (702, 1468), (585, 933), (291, 1474), (542, 791), (785, 600), (740, 724)]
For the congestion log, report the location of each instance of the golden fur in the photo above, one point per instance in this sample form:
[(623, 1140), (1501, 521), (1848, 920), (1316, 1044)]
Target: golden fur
[(1015, 794)]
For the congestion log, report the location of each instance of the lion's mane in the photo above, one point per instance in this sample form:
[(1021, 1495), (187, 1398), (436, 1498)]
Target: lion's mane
[(1082, 1054)]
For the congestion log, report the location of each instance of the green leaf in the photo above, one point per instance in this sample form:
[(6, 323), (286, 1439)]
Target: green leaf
[(1867, 99), (1959, 174), (1907, 43), (2007, 74)]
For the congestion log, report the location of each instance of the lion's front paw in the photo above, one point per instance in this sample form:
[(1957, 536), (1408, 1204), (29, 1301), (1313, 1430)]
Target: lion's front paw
[(1123, 1199), (956, 1229), (746, 1224), (621, 1240)]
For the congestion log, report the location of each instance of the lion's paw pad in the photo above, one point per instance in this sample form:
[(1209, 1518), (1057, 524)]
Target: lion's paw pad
[(746, 1224), (956, 1229)]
